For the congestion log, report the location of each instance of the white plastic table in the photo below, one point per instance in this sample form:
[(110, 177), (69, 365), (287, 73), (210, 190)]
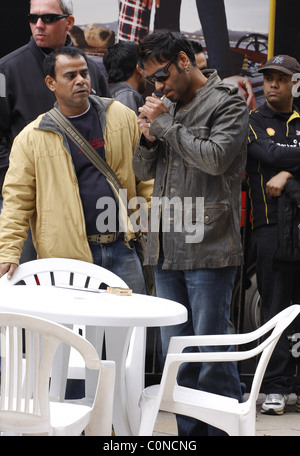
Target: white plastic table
[(119, 315)]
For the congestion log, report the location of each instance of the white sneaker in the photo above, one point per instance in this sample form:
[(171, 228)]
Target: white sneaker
[(274, 404)]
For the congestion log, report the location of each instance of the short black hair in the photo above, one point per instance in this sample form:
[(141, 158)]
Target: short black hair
[(50, 60), (197, 47), (120, 61), (164, 45)]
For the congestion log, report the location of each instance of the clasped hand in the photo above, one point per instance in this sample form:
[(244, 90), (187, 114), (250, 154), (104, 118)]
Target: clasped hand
[(149, 3), (152, 109)]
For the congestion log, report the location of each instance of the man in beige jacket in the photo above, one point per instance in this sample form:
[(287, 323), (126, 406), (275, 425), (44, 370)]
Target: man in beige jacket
[(53, 187)]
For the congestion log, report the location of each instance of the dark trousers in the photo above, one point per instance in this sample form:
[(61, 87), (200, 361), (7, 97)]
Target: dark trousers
[(206, 294), (278, 290), (212, 16)]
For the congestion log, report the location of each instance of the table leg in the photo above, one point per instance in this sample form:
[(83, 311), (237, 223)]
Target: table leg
[(94, 334), (60, 373), (135, 376), (125, 346), (117, 342)]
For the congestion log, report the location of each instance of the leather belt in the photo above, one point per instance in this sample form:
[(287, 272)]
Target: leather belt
[(103, 238)]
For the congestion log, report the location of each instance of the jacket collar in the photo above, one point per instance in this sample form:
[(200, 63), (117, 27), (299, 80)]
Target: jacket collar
[(268, 112), (43, 52), (101, 104), (212, 80)]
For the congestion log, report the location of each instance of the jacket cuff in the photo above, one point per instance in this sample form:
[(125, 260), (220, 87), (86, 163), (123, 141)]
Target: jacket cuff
[(161, 125)]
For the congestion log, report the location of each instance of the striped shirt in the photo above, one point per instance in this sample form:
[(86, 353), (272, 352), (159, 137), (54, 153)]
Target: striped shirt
[(134, 20)]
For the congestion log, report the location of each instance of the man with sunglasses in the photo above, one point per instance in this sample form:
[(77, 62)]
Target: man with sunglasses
[(194, 145), (27, 95)]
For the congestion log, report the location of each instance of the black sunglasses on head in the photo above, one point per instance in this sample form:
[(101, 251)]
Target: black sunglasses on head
[(162, 74), (46, 18)]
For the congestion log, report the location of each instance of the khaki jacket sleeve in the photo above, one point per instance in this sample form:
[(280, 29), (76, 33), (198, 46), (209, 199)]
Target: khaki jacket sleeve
[(19, 191)]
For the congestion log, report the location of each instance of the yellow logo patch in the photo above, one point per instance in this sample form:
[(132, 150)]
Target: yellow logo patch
[(271, 131)]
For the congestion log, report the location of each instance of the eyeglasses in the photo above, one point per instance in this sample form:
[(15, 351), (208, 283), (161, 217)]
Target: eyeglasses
[(162, 74), (46, 18)]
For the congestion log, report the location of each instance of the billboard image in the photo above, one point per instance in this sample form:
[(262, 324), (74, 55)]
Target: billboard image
[(233, 33)]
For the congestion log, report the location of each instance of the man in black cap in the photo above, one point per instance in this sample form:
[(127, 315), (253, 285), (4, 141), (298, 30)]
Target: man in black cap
[(273, 170)]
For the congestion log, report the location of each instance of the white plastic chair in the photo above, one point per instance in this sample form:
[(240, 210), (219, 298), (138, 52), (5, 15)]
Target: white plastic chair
[(221, 412), (63, 272), (76, 273), (28, 346), (71, 273)]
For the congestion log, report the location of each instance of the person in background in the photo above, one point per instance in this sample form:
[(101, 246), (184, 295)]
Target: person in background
[(194, 146), (127, 83), (126, 80), (201, 59), (27, 95), (70, 205), (134, 19), (242, 82), (273, 168)]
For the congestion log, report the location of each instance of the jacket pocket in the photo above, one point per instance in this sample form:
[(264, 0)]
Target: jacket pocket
[(217, 228), (214, 212)]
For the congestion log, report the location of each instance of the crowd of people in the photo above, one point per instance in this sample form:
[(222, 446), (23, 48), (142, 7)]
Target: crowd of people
[(171, 127)]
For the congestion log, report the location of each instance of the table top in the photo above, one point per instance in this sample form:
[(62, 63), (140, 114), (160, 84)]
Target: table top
[(95, 308)]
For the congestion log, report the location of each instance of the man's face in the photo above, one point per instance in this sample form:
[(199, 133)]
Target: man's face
[(278, 90), (53, 35), (201, 60), (71, 85), (175, 83)]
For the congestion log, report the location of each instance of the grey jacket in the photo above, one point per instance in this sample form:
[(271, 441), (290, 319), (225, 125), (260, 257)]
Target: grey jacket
[(127, 95), (200, 153)]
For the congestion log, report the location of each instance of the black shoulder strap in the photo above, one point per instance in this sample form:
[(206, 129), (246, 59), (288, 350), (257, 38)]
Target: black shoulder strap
[(66, 126), (64, 123)]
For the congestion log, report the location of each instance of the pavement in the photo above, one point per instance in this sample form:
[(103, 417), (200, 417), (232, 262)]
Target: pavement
[(287, 424)]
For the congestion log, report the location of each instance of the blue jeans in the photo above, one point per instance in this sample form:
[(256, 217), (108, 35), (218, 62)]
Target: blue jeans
[(122, 261), (206, 293)]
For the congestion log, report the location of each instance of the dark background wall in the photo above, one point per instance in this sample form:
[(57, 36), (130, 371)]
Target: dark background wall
[(287, 28), (14, 27)]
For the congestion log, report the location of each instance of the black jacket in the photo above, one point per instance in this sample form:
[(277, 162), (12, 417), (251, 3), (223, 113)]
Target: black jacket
[(287, 255), (27, 95), (274, 145)]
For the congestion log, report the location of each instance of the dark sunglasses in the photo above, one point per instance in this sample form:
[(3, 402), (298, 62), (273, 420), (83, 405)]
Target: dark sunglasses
[(46, 18), (162, 74)]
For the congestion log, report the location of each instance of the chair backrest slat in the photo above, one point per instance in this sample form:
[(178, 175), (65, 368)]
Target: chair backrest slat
[(20, 368), (3, 367), (26, 368), (12, 372)]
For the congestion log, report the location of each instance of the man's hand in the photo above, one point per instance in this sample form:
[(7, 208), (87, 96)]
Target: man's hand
[(245, 88), (150, 3), (145, 126), (275, 186), (152, 109), (8, 268)]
